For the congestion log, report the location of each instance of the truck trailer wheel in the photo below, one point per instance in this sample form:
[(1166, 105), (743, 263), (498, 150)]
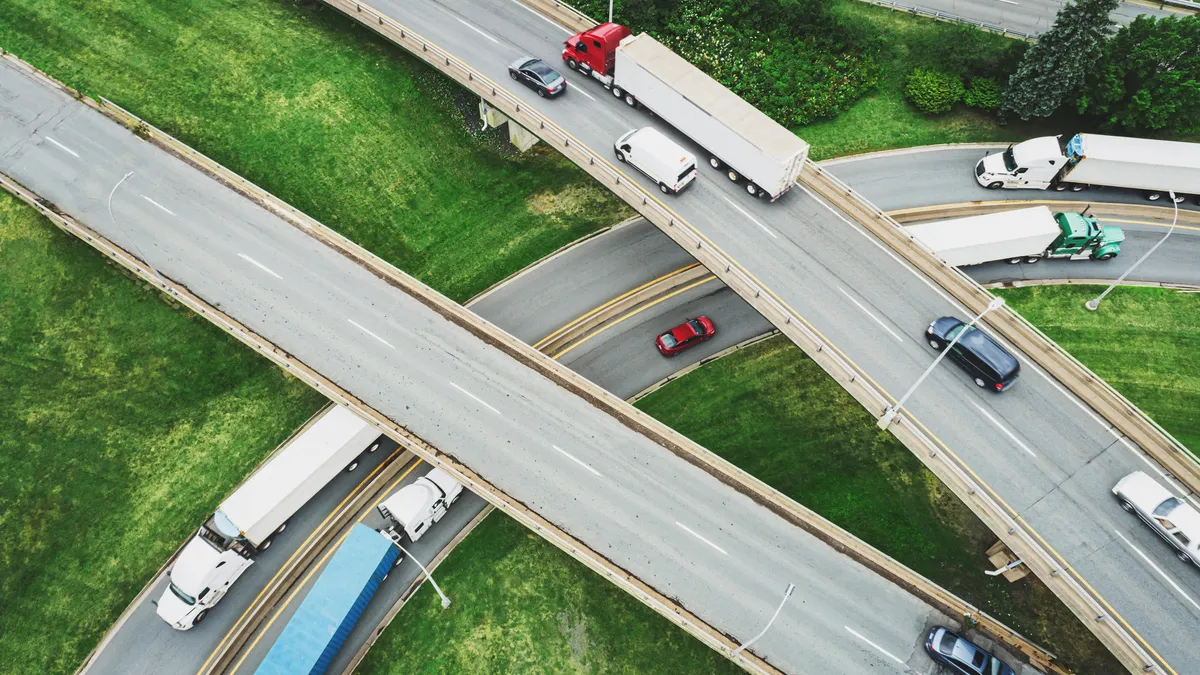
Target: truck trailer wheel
[(753, 190), (1032, 259), (630, 100), (1014, 261), (1153, 196), (1078, 187), (352, 465), (732, 175), (714, 163), (616, 91), (266, 544)]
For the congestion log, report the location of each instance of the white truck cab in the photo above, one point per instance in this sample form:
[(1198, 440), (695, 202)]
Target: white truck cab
[(658, 157), (1030, 164), (200, 578), (422, 503)]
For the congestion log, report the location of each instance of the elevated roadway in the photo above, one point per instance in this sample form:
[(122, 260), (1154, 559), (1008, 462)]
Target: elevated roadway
[(1046, 454), (675, 527)]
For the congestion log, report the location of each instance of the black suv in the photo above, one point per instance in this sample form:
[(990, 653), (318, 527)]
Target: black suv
[(989, 364)]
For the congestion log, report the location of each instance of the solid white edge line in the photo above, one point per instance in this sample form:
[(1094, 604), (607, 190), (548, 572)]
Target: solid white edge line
[(160, 206), (1003, 428), (573, 459), (870, 314), (752, 218), (881, 650), (254, 262), (1009, 2), (1158, 569), (65, 148), (468, 25), (477, 399), (364, 329), (696, 535), (575, 87), (539, 15)]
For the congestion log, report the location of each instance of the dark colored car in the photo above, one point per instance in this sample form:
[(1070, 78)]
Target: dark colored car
[(989, 364), (961, 656), (687, 334), (535, 74)]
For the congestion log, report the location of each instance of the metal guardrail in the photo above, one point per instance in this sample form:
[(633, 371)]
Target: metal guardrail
[(953, 18), (735, 276)]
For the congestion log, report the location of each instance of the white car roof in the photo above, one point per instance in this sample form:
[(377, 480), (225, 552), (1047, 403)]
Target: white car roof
[(1146, 493)]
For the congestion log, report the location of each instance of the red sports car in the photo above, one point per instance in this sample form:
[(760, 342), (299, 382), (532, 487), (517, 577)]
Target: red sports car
[(687, 334)]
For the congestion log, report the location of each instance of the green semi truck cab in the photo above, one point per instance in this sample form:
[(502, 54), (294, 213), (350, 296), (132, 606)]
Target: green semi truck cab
[(1082, 236)]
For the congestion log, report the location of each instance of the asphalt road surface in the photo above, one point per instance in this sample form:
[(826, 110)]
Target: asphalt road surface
[(903, 179), (399, 579), (1047, 455), (1032, 17), (672, 525), (147, 645)]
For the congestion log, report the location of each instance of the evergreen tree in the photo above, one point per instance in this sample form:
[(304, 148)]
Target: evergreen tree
[(1055, 67), (1149, 76)]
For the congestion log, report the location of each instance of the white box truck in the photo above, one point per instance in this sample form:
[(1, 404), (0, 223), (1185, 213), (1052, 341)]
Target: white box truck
[(750, 147), (421, 503), (1020, 235), (258, 510), (1154, 167)]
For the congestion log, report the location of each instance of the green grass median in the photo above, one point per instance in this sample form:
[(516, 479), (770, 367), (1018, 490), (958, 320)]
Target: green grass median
[(123, 422), (1145, 342)]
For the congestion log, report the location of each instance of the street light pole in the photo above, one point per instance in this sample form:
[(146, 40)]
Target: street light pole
[(786, 594), (1094, 303), (610, 4), (445, 600), (892, 411)]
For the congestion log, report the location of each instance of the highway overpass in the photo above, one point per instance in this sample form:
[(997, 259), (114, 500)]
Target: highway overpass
[(516, 429), (1047, 456)]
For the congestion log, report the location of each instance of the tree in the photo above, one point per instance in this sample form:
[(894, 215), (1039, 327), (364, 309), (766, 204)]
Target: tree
[(1148, 77), (1054, 68)]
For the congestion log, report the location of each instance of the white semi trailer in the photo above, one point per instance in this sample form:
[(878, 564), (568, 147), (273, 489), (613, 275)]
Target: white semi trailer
[(1153, 167), (1020, 235), (751, 148), (258, 510)]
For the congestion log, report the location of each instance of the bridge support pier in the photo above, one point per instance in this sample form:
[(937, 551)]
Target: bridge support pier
[(517, 134)]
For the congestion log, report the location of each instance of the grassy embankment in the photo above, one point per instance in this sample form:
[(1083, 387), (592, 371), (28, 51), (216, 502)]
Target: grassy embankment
[(783, 420), (124, 420)]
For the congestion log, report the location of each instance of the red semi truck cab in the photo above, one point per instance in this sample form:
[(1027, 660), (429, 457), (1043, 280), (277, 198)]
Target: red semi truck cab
[(593, 52)]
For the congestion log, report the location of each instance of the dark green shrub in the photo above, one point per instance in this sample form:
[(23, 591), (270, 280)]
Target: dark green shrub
[(790, 59), (984, 93), (932, 91)]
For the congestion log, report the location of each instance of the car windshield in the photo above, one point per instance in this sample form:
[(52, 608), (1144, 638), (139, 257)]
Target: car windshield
[(668, 340), (181, 595), (1164, 509), (953, 332), (697, 326), (1010, 162)]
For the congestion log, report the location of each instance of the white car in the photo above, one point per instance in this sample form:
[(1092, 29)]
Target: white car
[(1171, 517)]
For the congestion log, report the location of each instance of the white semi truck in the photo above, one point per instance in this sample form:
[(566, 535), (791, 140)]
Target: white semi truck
[(258, 510), (750, 147), (1153, 167), (1026, 235), (421, 503)]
